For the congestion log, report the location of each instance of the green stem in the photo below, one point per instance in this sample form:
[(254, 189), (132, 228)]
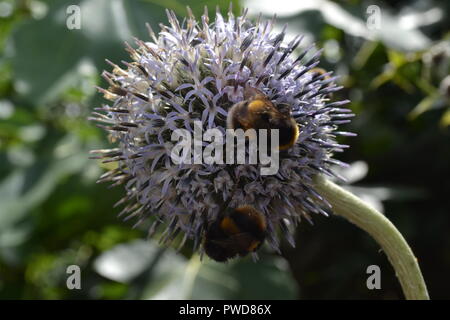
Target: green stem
[(383, 231)]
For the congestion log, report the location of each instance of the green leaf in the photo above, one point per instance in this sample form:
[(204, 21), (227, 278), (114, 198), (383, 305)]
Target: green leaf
[(25, 188), (159, 273), (48, 56), (352, 20), (396, 58), (445, 119), (424, 105)]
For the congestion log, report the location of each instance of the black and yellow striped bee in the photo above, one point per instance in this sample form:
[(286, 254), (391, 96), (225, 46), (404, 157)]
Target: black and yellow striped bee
[(238, 232), (258, 112)]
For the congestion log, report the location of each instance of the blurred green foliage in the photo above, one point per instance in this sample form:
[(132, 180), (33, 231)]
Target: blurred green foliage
[(53, 214)]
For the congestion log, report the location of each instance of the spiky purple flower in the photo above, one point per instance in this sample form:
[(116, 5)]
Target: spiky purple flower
[(196, 70)]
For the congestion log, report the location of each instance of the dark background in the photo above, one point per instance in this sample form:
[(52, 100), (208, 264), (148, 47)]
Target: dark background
[(53, 214)]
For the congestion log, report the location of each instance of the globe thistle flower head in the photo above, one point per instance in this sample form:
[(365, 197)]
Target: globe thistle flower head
[(192, 72)]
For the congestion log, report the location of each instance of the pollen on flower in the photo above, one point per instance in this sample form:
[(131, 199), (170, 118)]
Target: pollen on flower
[(196, 71)]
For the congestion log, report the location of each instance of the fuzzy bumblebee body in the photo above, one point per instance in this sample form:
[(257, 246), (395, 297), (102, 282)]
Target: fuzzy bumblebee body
[(238, 232), (258, 112)]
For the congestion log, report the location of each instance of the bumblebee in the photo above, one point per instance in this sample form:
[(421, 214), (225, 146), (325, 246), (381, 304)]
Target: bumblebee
[(238, 232), (258, 112)]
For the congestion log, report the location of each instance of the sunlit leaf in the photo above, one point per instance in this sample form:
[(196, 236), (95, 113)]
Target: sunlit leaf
[(25, 188), (125, 262), (445, 119), (426, 104)]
